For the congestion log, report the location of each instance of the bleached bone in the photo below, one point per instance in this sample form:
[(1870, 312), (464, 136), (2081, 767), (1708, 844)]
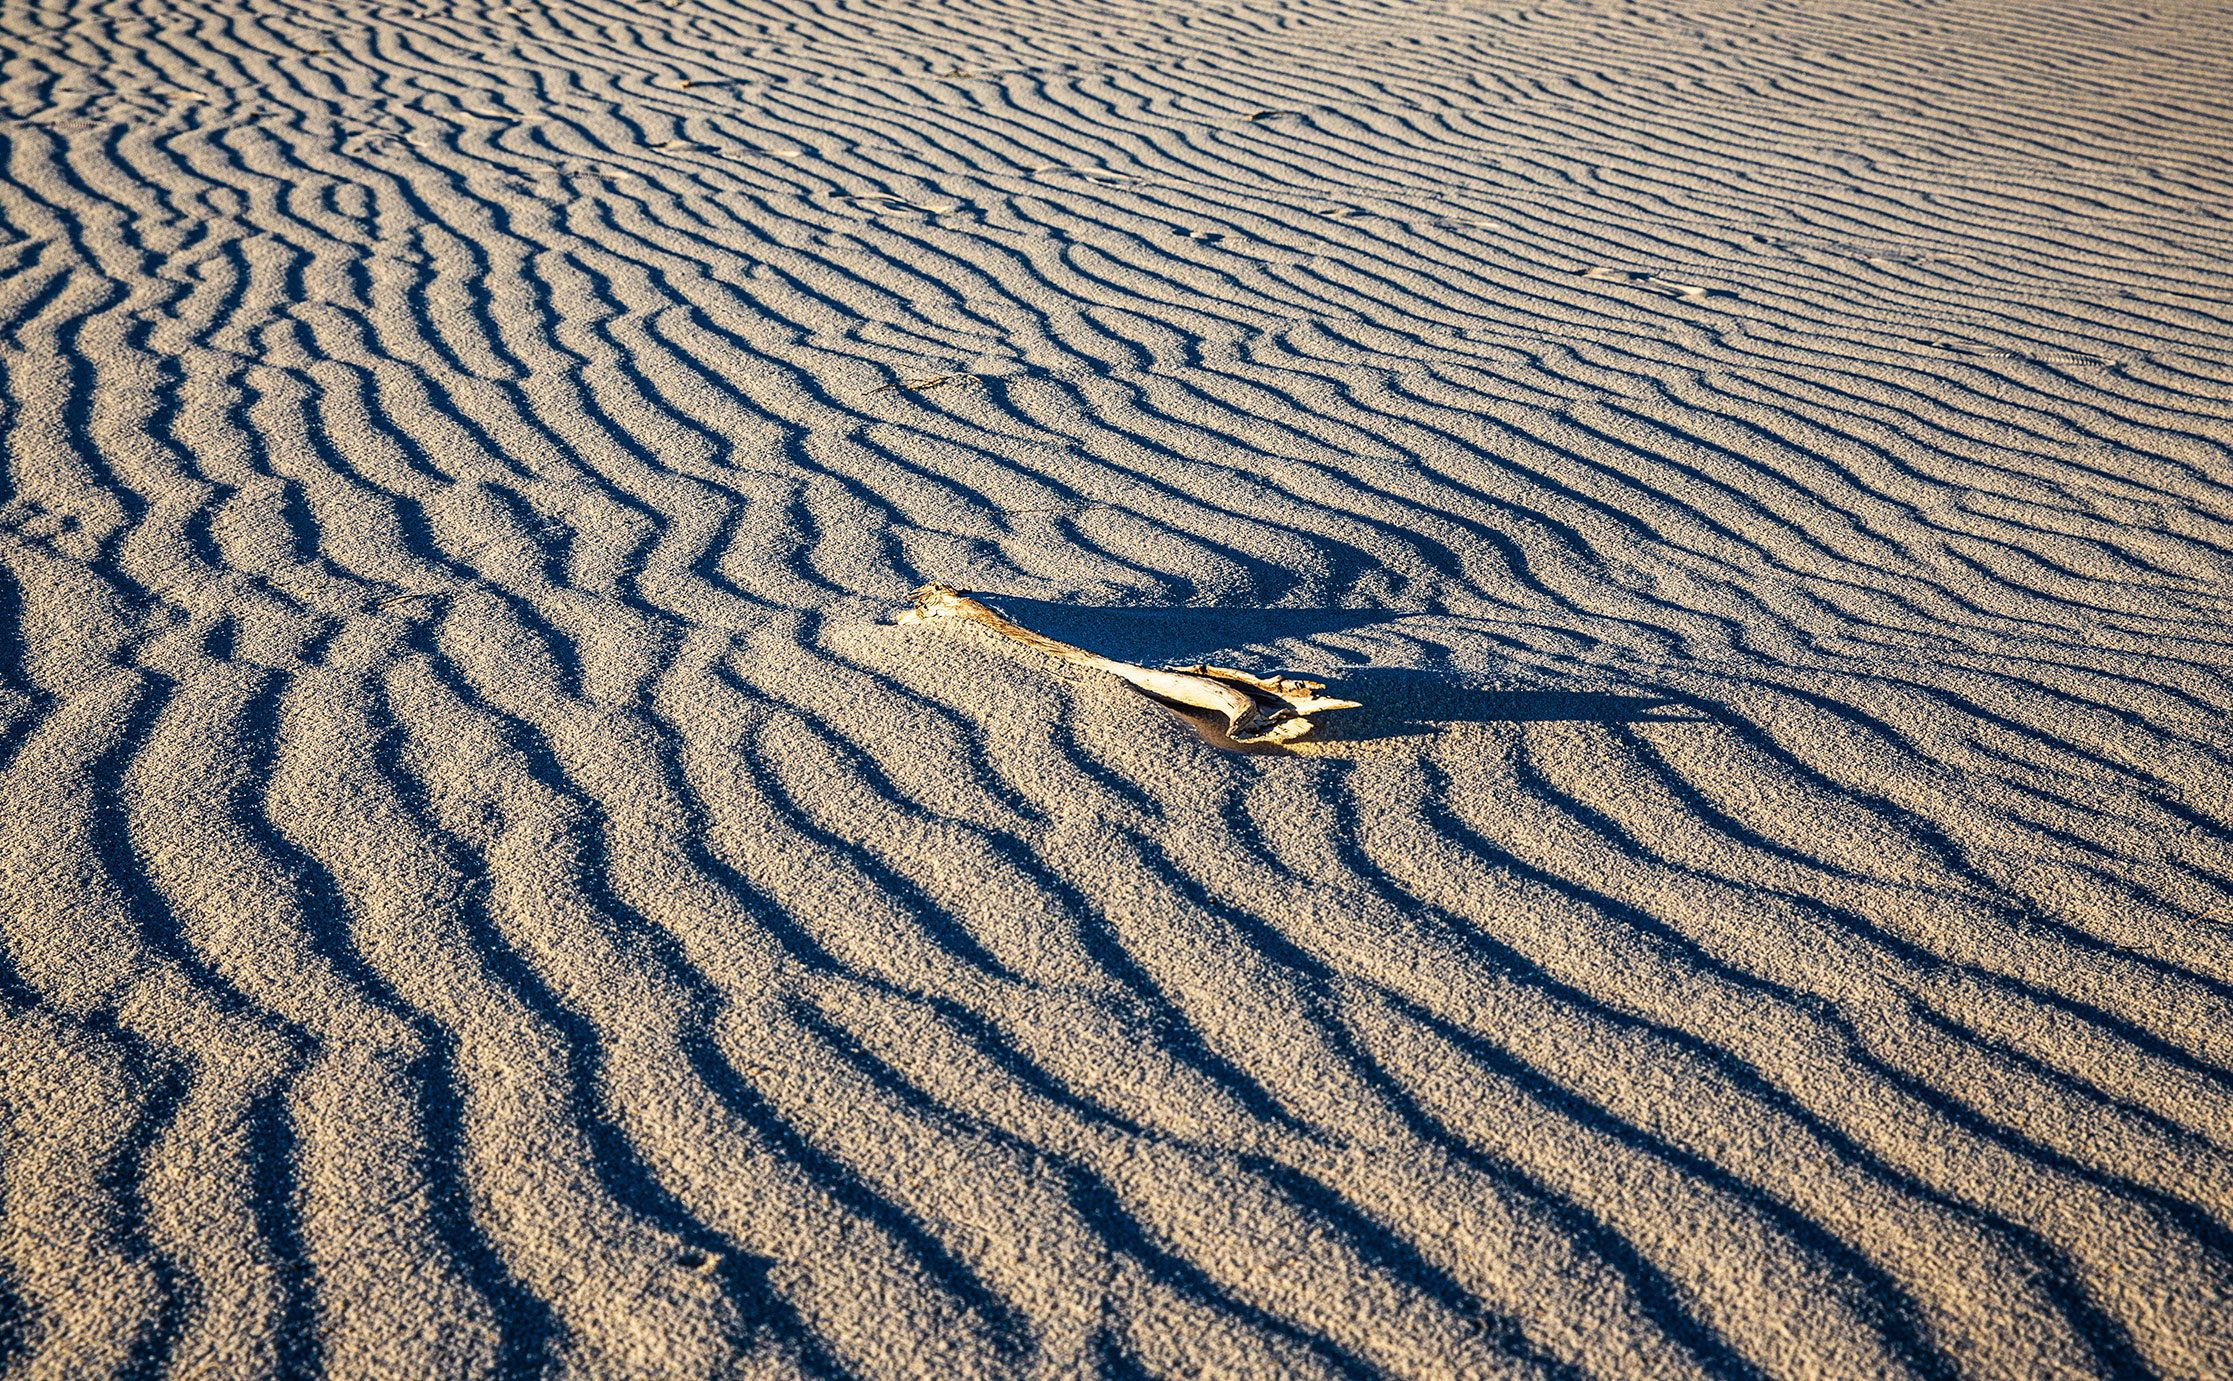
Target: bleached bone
[(1257, 709)]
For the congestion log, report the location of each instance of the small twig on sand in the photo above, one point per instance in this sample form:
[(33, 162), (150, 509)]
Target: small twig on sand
[(926, 385), (1256, 709)]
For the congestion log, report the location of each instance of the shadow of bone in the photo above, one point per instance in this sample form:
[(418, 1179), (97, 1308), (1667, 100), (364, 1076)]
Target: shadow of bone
[(1401, 703), (1394, 702), (1402, 699)]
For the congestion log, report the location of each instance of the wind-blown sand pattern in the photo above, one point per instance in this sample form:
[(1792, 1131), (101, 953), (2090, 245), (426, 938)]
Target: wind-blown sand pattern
[(489, 891)]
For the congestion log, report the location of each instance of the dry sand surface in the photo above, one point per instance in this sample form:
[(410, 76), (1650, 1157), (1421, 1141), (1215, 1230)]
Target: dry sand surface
[(489, 889)]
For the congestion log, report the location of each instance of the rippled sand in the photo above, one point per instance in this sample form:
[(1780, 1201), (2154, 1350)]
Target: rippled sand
[(489, 891)]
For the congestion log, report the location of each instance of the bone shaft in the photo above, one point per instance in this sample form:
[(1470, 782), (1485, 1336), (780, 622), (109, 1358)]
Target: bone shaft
[(1197, 691)]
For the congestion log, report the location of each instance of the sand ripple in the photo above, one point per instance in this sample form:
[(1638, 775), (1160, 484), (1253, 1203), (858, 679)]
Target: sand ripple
[(487, 892)]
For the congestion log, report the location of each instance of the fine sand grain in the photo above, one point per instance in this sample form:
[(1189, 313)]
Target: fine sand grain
[(488, 889)]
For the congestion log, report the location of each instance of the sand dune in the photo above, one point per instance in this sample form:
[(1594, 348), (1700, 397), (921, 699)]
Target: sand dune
[(489, 891)]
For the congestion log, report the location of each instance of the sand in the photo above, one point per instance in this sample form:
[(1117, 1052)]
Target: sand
[(490, 891)]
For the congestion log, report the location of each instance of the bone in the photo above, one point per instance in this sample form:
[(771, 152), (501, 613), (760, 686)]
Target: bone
[(1256, 709)]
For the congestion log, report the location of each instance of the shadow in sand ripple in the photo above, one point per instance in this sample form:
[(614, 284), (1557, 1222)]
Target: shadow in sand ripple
[(1156, 635)]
